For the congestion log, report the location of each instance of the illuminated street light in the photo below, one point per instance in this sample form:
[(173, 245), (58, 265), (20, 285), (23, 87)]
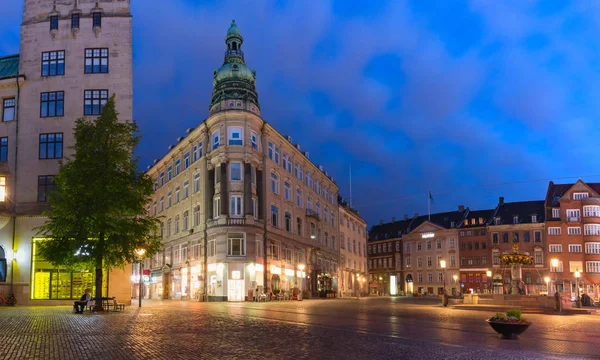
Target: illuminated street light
[(577, 276), (140, 253), (547, 280), (554, 264), (301, 268)]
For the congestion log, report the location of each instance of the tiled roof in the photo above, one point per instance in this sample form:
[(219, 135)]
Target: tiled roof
[(476, 214), (398, 228), (9, 66), (556, 191), (522, 209)]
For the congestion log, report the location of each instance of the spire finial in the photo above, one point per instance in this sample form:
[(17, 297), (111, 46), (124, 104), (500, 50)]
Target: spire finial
[(232, 21)]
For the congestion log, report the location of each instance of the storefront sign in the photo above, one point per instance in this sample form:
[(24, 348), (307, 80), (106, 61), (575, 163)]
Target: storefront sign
[(427, 235), (275, 270), (235, 274), (212, 267), (289, 272), (259, 267)]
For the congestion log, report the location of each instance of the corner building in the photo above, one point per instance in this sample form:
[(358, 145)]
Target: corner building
[(73, 56), (244, 211), (353, 251)]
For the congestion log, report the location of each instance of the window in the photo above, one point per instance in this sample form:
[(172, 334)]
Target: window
[(573, 214), (495, 257), (575, 266), (186, 189), (75, 21), (579, 196), (285, 161), (2, 188), (255, 208), (176, 225), (170, 173), (235, 171), (235, 136), (177, 166), (4, 148), (186, 160), (591, 210), (94, 101), (236, 205), (526, 237), (288, 221), (537, 236), (96, 61), (196, 182), (555, 248), (299, 226), (428, 244), (515, 219), (274, 183), (575, 248), (254, 139), (54, 22), (259, 247), (197, 215), (287, 190), (97, 19), (274, 251), (557, 269), (53, 63), (429, 261), (8, 112), (277, 154), (45, 187), (169, 200), (593, 266), (212, 247), (592, 248), (52, 104), (162, 203), (274, 216), (419, 246), (538, 257), (553, 231), (556, 213), (216, 207), (197, 151), (51, 146), (574, 230), (162, 178), (298, 171), (591, 229), (215, 139), (439, 244), (299, 197), (271, 150)]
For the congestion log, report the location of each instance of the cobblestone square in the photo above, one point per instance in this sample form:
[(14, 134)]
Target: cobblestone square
[(374, 328)]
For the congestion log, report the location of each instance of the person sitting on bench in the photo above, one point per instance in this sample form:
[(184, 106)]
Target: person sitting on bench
[(82, 302)]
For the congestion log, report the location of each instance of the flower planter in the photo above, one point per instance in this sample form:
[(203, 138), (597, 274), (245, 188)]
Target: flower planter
[(509, 330)]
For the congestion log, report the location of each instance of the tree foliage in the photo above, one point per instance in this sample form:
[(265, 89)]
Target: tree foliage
[(96, 217)]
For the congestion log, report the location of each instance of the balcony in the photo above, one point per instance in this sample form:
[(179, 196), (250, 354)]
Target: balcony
[(228, 221), (313, 214), (573, 219)]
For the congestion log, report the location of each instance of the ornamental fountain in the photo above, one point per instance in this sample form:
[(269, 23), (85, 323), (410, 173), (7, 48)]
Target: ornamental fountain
[(516, 261)]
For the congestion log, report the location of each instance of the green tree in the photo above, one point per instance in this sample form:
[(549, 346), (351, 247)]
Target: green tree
[(96, 218)]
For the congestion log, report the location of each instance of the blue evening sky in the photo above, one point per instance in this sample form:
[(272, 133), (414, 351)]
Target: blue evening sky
[(473, 99)]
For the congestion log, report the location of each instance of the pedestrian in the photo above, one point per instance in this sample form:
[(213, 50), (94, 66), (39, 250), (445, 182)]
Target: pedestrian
[(557, 302), (80, 305)]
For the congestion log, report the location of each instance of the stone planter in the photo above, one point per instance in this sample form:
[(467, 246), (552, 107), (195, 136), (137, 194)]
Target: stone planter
[(507, 330)]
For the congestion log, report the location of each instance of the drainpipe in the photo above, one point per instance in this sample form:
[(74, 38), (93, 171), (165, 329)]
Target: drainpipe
[(13, 209)]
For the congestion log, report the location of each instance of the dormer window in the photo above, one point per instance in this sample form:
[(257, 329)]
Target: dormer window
[(580, 195), (451, 224), (533, 218), (54, 22), (515, 219), (556, 213), (473, 221), (497, 220), (466, 222), (97, 19), (481, 220)]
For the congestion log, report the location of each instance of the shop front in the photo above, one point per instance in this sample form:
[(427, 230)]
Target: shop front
[(156, 288)]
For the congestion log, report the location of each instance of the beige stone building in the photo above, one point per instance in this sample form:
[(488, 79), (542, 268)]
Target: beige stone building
[(244, 211), (73, 56), (353, 251)]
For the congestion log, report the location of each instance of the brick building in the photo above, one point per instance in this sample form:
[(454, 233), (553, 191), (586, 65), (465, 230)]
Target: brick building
[(475, 251), (573, 233)]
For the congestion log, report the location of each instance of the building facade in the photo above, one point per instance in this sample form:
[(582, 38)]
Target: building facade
[(73, 56), (573, 237), (520, 223), (244, 210), (475, 251), (353, 251)]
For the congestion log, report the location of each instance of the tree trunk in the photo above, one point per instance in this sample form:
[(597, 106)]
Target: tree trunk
[(100, 249)]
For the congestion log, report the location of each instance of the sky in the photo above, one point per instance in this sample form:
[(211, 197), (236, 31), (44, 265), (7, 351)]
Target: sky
[(468, 99)]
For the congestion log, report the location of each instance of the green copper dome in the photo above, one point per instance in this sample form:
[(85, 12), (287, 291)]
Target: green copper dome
[(234, 80)]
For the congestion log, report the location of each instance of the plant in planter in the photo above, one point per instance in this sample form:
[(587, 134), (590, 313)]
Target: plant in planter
[(509, 325)]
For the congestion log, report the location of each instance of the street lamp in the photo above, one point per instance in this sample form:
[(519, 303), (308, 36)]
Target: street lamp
[(547, 279), (578, 300), (443, 266), (489, 275), (140, 253), (301, 268), (554, 263)]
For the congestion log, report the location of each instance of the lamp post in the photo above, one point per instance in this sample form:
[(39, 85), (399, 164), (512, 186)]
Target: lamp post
[(547, 279), (444, 297), (489, 276), (301, 268), (455, 277), (140, 253), (554, 263), (578, 300)]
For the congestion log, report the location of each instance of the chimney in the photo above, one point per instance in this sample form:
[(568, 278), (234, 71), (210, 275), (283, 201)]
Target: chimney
[(461, 208), (416, 214), (380, 222), (405, 216), (393, 219), (501, 200)]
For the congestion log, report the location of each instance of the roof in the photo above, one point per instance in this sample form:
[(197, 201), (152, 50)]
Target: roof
[(522, 209), (476, 214), (556, 191), (398, 228), (9, 66)]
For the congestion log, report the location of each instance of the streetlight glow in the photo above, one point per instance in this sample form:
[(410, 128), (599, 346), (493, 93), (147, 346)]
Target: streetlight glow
[(488, 273), (554, 263), (140, 252), (443, 264), (301, 267)]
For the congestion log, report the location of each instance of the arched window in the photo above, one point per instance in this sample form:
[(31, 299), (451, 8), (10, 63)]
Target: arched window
[(2, 265), (234, 44)]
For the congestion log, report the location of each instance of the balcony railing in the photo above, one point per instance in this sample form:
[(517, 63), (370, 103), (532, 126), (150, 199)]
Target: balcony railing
[(232, 222), (573, 219), (312, 213)]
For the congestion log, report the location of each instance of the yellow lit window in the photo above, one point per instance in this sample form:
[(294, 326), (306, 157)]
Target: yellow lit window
[(2, 188)]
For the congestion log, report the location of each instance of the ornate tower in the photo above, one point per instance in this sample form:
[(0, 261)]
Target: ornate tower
[(234, 84)]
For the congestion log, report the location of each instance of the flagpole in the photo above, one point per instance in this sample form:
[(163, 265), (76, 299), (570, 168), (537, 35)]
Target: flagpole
[(429, 204)]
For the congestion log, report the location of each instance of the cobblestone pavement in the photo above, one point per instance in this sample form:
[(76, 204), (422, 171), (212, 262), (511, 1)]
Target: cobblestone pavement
[(373, 328)]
